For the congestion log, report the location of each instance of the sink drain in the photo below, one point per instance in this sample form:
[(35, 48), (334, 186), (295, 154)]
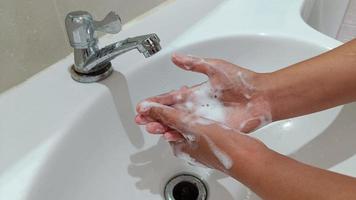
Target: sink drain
[(185, 187)]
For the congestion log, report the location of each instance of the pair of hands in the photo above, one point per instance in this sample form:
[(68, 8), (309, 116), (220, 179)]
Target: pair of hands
[(241, 101), (205, 121)]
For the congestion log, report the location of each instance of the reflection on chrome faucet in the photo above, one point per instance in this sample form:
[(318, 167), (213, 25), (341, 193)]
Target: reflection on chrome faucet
[(92, 64)]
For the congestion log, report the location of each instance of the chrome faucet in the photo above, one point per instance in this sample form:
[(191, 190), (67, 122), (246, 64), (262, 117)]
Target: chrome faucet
[(92, 64)]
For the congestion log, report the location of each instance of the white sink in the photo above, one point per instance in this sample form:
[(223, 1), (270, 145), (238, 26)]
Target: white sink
[(256, 52), (61, 140), (101, 157)]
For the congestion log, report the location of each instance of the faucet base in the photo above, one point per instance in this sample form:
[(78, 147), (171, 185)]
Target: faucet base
[(105, 71)]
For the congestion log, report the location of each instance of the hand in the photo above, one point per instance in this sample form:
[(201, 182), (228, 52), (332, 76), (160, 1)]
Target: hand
[(205, 141), (233, 96)]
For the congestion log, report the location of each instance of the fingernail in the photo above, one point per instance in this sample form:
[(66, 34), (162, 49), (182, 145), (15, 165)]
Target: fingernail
[(140, 120), (169, 138), (159, 130), (184, 58), (185, 61)]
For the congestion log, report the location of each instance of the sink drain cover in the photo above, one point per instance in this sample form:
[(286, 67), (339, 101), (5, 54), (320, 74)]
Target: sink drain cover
[(185, 187)]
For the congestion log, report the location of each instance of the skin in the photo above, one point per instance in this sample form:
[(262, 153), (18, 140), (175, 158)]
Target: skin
[(316, 84), (244, 104)]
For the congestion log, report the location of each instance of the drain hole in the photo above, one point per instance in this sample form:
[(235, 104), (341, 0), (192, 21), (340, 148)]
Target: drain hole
[(185, 191), (185, 187)]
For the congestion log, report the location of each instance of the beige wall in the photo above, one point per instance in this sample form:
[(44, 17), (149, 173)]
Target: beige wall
[(32, 34), (348, 28)]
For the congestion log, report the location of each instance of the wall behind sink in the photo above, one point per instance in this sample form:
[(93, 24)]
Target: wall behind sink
[(33, 36), (348, 28)]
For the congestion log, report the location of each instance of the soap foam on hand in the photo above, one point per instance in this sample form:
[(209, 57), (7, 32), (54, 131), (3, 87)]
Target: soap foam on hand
[(204, 103), (147, 105), (223, 158)]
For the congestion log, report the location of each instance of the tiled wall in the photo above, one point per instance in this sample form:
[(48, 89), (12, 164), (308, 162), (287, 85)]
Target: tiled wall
[(33, 37), (348, 28)]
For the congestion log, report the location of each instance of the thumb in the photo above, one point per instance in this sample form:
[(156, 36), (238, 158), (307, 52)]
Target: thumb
[(194, 64)]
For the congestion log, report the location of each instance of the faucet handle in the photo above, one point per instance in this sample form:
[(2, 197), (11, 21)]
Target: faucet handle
[(81, 28), (110, 24)]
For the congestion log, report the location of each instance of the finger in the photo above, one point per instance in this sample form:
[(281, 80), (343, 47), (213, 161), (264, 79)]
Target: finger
[(168, 99), (189, 125), (195, 64), (156, 128), (171, 117), (250, 125), (144, 107), (171, 98), (173, 136), (142, 120)]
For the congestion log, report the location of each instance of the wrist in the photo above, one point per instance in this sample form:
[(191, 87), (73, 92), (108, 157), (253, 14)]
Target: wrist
[(252, 162), (268, 88)]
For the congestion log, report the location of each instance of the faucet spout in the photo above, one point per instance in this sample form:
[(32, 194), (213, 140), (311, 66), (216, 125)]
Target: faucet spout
[(92, 64), (148, 45)]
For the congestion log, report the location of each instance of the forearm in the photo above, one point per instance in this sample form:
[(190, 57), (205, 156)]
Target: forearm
[(316, 84), (276, 177), (313, 85)]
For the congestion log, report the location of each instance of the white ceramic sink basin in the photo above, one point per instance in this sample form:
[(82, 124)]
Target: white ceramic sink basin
[(258, 53), (102, 158)]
